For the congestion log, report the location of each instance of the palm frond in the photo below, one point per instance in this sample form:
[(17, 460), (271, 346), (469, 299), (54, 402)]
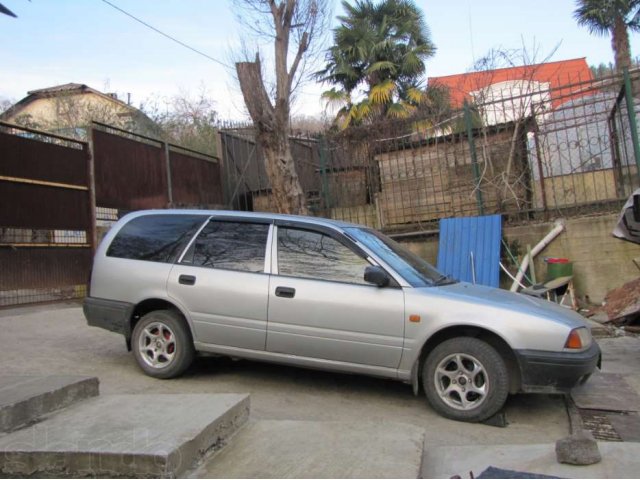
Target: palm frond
[(382, 92), (382, 66), (398, 110), (335, 98), (415, 95)]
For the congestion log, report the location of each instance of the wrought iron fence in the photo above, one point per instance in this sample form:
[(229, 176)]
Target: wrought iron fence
[(530, 151)]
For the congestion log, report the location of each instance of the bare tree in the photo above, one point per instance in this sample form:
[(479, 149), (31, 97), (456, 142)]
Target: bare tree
[(188, 119), (5, 104), (515, 101), (295, 27)]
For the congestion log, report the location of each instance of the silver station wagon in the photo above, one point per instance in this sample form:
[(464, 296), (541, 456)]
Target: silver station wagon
[(329, 295)]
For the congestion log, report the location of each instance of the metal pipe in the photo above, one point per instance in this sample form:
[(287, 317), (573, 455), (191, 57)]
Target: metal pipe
[(473, 268), (504, 269), (557, 230)]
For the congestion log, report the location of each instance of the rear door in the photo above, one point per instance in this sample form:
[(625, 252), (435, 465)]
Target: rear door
[(221, 280), (321, 307)]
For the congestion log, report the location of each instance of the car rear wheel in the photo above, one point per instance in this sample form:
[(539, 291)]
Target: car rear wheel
[(162, 344), (465, 379)]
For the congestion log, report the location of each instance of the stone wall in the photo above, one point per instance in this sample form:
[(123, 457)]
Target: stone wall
[(601, 262)]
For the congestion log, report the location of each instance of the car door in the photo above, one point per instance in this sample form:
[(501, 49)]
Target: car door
[(221, 280), (321, 307)]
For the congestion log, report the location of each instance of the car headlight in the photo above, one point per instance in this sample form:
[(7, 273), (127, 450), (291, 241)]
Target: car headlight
[(578, 339)]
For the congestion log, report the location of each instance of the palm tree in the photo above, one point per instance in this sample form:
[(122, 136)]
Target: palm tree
[(616, 17), (377, 60)]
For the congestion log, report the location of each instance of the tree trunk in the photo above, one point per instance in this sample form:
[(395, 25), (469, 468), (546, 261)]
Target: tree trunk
[(620, 44), (272, 125), (285, 184)]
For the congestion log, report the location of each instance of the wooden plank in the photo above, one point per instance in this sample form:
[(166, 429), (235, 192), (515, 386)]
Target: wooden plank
[(43, 183)]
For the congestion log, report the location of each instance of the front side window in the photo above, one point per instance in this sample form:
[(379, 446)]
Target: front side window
[(230, 246), (155, 238), (307, 254)]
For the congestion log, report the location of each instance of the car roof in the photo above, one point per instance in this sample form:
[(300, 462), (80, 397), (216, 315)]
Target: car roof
[(257, 215)]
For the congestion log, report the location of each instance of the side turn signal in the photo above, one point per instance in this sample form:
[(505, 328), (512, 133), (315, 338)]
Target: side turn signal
[(578, 338)]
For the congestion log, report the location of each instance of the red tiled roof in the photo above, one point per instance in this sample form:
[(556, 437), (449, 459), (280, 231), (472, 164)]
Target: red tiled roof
[(561, 75)]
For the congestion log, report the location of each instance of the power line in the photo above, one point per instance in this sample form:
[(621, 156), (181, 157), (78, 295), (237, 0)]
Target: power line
[(165, 34)]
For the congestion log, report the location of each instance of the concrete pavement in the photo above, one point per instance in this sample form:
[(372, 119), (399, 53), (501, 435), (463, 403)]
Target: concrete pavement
[(56, 340), (299, 449)]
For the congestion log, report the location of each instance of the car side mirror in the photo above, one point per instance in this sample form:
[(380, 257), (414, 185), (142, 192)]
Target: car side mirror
[(376, 275)]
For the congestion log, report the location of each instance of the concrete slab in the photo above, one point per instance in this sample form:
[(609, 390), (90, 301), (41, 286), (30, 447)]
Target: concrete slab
[(302, 449), (619, 460), (626, 426), (24, 399), (124, 436), (606, 391)]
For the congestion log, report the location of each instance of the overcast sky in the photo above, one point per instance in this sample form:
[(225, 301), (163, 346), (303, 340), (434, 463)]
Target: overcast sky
[(87, 41)]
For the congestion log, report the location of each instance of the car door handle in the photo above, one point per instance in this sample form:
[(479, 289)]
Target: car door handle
[(285, 292), (187, 279)]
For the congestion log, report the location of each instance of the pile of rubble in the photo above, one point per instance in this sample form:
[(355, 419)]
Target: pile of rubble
[(621, 307)]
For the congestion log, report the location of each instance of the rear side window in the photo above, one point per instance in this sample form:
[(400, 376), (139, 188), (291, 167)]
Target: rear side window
[(230, 246), (156, 238)]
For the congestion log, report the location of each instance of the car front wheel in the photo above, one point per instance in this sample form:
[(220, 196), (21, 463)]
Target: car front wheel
[(162, 344), (465, 379)]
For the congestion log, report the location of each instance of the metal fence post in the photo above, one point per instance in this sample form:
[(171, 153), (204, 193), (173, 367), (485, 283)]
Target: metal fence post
[(633, 126), (91, 183), (323, 171), (474, 156), (167, 158), (536, 131)]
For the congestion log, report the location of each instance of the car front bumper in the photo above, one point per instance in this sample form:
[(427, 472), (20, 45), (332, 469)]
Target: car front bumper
[(556, 372)]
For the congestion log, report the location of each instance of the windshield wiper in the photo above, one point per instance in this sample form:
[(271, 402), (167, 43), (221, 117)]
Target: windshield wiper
[(444, 280)]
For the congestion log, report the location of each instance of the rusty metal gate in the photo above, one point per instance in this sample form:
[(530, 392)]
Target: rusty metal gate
[(53, 191), (46, 225)]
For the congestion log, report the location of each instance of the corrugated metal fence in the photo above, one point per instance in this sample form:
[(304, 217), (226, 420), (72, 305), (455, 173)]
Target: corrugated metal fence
[(45, 216), (49, 200)]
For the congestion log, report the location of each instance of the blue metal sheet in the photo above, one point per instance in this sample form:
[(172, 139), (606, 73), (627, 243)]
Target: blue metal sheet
[(462, 239)]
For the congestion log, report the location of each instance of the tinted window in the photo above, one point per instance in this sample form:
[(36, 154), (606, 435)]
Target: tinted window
[(157, 238), (230, 245), (307, 254)]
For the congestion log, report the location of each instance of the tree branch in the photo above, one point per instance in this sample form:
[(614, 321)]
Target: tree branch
[(302, 47), (254, 93)]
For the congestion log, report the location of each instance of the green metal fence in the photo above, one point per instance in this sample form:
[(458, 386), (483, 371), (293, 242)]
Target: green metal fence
[(527, 153)]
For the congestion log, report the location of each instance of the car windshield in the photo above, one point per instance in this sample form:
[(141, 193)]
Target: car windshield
[(414, 269)]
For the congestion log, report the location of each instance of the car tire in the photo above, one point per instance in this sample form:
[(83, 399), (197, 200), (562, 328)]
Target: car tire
[(162, 344), (465, 379)]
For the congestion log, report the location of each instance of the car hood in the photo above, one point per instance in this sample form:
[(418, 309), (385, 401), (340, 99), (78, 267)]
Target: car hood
[(505, 300)]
